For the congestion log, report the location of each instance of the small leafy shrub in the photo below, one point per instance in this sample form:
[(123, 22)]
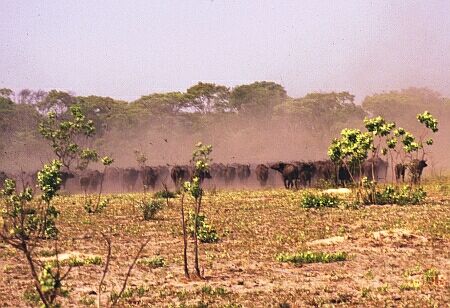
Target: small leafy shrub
[(76, 261), (312, 200), (93, 208), (209, 290), (431, 275), (154, 262), (410, 285), (150, 208), (165, 194), (390, 194), (311, 257), (206, 233)]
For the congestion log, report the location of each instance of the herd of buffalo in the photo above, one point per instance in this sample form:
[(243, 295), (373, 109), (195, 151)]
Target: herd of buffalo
[(292, 175)]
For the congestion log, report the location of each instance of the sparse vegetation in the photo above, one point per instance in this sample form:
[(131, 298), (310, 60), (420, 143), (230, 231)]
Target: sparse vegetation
[(150, 208), (311, 257), (314, 200)]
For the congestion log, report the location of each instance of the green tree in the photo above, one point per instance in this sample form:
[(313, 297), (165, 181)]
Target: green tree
[(257, 98), (66, 136), (208, 97)]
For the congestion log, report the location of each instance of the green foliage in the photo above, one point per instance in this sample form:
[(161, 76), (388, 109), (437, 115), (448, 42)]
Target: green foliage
[(49, 281), (154, 262), (77, 261), (208, 97), (164, 194), (92, 207), (389, 194), (49, 180), (257, 98), (428, 120), (151, 208), (352, 147), (209, 290), (64, 135), (431, 275), (411, 285), (311, 257), (205, 232), (107, 161), (312, 200)]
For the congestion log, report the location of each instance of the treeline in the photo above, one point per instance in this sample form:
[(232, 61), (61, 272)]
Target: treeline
[(248, 123)]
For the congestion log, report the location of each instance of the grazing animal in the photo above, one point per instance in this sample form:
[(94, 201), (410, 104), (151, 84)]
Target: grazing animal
[(400, 170), (65, 176), (325, 170), (217, 171), (306, 172), (230, 174), (243, 172), (416, 168), (149, 177), (129, 178), (344, 177), (374, 168), (289, 172), (262, 174), (180, 174), (90, 180)]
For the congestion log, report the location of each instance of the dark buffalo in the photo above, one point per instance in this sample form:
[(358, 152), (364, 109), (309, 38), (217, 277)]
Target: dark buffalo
[(262, 174), (374, 169), (343, 176), (325, 170), (416, 168), (65, 176), (400, 170), (230, 174), (289, 173), (306, 172), (180, 174), (163, 174), (129, 178), (217, 171), (149, 177), (243, 172)]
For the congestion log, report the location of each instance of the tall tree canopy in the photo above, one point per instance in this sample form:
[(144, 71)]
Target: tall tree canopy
[(258, 97)]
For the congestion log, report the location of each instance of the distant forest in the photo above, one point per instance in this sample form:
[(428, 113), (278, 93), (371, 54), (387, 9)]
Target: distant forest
[(248, 123)]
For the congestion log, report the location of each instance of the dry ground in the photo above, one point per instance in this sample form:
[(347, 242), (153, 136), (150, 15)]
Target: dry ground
[(391, 248)]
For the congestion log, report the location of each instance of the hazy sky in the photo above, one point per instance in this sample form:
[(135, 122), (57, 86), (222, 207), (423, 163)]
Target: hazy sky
[(125, 49)]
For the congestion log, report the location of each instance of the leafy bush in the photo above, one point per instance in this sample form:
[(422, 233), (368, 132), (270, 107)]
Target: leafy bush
[(151, 207), (205, 232), (311, 257), (154, 262), (390, 194), (76, 261), (311, 200), (93, 208), (165, 194)]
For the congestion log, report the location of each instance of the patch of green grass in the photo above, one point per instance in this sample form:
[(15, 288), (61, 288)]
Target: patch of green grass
[(87, 301), (209, 290), (154, 262), (76, 261), (312, 200), (311, 257), (31, 296), (431, 275), (411, 285)]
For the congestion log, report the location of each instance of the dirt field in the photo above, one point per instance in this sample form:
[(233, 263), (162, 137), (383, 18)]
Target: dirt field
[(397, 255)]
